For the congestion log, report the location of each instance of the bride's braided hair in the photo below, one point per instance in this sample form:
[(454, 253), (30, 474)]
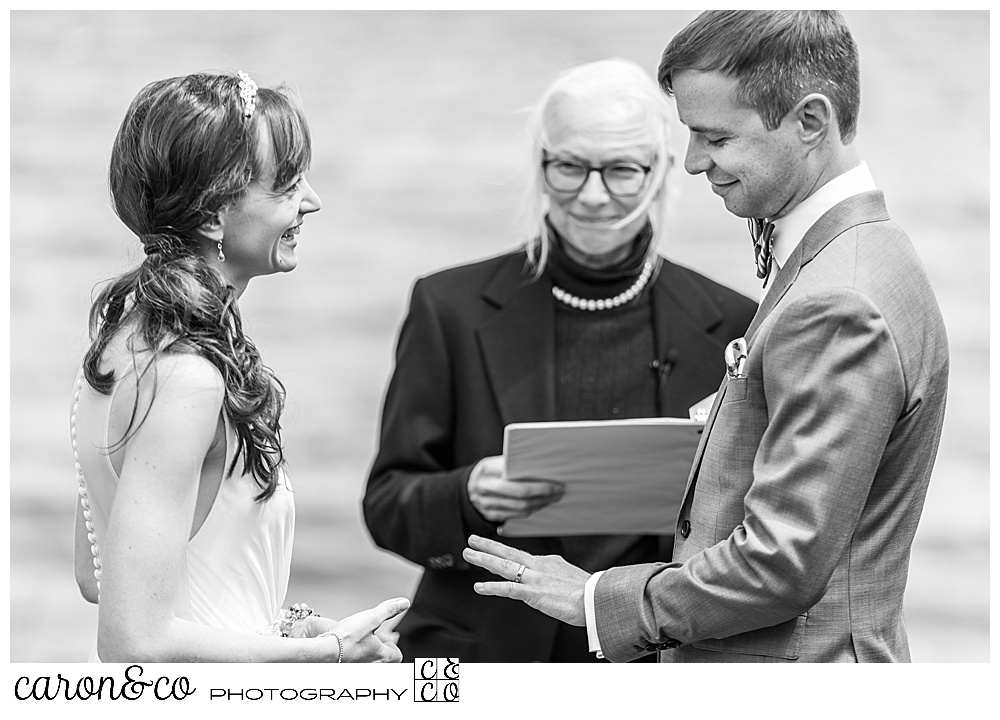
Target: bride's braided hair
[(186, 149)]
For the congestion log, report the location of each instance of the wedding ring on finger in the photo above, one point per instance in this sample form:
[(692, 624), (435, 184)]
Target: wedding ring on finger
[(520, 572)]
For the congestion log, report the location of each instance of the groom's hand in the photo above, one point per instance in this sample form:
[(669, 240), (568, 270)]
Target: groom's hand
[(547, 583)]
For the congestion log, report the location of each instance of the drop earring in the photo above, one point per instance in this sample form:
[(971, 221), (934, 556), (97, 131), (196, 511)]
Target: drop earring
[(222, 255)]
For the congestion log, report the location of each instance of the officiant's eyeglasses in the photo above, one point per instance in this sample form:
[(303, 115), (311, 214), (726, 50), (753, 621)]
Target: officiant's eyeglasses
[(621, 179)]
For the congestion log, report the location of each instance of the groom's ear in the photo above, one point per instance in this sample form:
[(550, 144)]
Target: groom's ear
[(815, 117)]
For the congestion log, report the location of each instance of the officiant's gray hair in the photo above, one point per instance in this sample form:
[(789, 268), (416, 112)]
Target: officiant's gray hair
[(614, 92)]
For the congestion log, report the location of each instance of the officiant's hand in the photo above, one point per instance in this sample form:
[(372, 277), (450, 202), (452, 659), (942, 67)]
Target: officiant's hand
[(547, 582), (498, 499), (366, 635)]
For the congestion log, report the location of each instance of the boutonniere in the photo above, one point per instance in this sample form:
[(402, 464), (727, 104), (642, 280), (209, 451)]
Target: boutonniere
[(736, 357)]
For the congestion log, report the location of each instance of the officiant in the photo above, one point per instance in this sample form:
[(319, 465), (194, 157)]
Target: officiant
[(585, 321)]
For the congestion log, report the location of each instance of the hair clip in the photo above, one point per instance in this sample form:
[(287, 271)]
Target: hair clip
[(248, 93)]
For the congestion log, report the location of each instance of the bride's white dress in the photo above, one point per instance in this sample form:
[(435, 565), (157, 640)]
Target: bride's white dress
[(236, 565)]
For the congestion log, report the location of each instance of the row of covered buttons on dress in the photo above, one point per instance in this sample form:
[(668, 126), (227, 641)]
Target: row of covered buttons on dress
[(84, 500), (441, 561)]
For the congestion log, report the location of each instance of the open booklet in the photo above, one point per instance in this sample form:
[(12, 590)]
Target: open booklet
[(622, 477)]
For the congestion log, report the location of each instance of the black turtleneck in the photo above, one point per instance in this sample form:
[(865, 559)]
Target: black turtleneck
[(603, 356), (588, 282), (602, 370)]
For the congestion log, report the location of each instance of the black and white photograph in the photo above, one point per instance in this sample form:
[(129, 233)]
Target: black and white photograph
[(527, 336)]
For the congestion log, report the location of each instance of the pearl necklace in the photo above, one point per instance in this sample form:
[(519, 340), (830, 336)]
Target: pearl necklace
[(606, 303), (84, 500)]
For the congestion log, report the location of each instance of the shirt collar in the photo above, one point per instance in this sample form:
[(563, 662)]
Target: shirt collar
[(790, 229)]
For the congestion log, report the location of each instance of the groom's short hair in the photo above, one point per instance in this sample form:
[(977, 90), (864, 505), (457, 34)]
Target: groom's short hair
[(777, 57)]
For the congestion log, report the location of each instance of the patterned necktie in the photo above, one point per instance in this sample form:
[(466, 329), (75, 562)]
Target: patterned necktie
[(760, 231)]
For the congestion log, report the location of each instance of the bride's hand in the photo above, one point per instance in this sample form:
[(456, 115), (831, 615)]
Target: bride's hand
[(311, 626), (363, 637)]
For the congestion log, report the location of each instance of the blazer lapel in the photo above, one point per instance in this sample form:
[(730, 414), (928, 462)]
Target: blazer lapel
[(864, 208), (700, 451), (856, 210), (518, 345), (680, 336)]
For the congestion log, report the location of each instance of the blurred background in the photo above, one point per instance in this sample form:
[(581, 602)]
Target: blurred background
[(417, 120)]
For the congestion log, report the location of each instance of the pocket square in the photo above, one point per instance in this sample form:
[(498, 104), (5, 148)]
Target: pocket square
[(736, 357)]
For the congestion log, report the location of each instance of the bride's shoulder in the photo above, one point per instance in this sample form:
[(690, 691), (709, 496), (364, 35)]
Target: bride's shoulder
[(164, 370), (180, 395), (185, 372)]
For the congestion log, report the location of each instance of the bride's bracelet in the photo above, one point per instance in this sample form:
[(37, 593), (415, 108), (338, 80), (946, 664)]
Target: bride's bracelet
[(282, 627), (340, 643)]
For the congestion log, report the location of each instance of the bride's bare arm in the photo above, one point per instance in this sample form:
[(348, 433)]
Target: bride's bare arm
[(150, 524)]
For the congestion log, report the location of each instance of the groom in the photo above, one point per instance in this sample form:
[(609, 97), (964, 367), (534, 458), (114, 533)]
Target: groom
[(793, 539)]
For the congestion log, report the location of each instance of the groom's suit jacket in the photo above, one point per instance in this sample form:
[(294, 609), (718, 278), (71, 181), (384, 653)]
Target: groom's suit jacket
[(793, 540)]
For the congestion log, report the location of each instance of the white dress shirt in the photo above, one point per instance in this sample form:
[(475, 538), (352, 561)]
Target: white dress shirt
[(788, 232)]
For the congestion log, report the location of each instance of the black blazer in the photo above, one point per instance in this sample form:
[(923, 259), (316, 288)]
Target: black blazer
[(475, 353)]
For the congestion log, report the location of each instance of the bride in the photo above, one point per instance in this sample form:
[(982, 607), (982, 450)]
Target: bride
[(185, 521)]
